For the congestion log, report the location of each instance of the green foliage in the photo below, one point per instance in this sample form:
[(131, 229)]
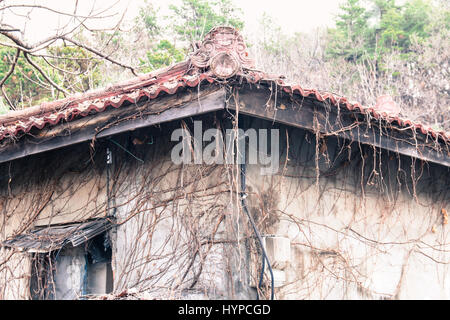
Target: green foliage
[(72, 68), (115, 38), (163, 54), (370, 29), (75, 68), (440, 20), (148, 17), (190, 21), (25, 86), (399, 25), (272, 39), (194, 18), (351, 28)]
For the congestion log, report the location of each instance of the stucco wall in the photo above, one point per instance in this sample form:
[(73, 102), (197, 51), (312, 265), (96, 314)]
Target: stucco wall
[(57, 187), (175, 233), (363, 229)]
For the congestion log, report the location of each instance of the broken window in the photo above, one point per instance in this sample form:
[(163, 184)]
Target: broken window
[(69, 261)]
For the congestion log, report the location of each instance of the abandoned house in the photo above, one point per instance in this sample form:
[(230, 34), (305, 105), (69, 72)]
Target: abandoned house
[(129, 193)]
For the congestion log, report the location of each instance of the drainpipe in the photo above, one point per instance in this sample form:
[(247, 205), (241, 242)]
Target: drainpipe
[(243, 194)]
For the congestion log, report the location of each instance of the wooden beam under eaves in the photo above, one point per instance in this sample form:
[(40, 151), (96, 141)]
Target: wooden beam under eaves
[(114, 121), (292, 110), (310, 114)]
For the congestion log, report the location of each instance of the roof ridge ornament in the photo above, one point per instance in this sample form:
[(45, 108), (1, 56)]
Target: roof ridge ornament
[(385, 103), (223, 51)]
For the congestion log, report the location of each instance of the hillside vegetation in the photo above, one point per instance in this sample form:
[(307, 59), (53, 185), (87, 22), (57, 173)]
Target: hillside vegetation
[(377, 47)]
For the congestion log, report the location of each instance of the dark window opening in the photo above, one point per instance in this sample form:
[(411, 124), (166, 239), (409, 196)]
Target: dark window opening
[(73, 272)]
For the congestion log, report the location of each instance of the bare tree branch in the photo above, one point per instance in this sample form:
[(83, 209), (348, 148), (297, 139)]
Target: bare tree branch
[(65, 92), (100, 54), (35, 6), (11, 70), (62, 70), (66, 33), (2, 82), (9, 30), (7, 99)]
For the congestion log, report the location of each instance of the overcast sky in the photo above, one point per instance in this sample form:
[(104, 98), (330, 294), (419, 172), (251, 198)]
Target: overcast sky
[(290, 15)]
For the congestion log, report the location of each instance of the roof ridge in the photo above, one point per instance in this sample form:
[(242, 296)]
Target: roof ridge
[(221, 56), (99, 93)]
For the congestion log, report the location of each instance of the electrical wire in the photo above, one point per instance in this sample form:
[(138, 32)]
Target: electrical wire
[(108, 165), (252, 222), (124, 149), (255, 229)]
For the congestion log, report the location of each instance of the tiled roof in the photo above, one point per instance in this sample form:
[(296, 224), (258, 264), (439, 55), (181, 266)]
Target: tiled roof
[(372, 111), (199, 68), (151, 85)]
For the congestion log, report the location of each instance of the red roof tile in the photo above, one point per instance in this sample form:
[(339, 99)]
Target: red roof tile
[(372, 111), (185, 74)]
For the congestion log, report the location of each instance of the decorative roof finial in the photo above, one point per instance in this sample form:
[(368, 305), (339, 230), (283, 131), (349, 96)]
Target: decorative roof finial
[(386, 104), (223, 51)]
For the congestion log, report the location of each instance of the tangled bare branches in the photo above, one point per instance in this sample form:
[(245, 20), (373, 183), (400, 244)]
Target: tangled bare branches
[(40, 65), (352, 212)]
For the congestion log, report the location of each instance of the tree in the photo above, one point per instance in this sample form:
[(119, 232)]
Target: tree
[(75, 68), (56, 65), (400, 25), (20, 84), (377, 47), (164, 53), (194, 18), (80, 55), (400, 49), (370, 29), (348, 39), (190, 21)]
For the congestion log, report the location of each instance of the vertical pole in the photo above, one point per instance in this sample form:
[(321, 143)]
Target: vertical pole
[(108, 168)]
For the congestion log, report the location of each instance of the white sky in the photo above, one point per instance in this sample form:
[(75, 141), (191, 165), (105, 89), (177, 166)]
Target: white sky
[(292, 16)]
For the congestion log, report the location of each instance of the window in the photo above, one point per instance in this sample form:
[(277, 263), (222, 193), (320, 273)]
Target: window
[(68, 261)]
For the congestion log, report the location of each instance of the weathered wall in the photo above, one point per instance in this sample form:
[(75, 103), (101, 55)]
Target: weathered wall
[(50, 188), (175, 234), (178, 232), (363, 229), (371, 226), (162, 246), (14, 275)]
